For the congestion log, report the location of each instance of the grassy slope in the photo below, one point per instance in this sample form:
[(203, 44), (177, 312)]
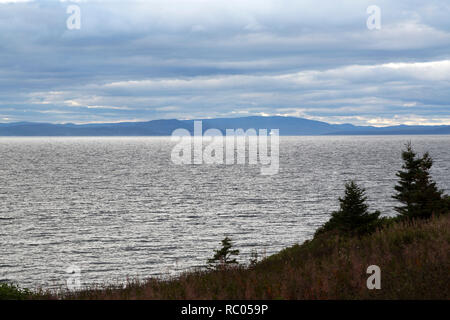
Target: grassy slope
[(414, 262)]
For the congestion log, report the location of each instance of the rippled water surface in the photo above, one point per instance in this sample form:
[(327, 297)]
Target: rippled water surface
[(118, 207)]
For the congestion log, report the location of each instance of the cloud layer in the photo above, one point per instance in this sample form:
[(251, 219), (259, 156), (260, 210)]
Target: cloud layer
[(141, 60)]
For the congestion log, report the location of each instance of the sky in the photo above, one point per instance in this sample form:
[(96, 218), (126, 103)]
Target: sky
[(164, 59)]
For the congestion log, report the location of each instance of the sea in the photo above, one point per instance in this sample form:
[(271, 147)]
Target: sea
[(119, 208)]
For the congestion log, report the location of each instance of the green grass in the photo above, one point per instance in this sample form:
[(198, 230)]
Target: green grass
[(413, 257)]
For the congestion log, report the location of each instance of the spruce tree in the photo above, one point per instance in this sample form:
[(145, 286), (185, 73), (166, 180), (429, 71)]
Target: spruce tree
[(223, 257), (416, 190), (353, 217)]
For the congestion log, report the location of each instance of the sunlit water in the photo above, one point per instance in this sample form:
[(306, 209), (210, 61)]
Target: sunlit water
[(118, 207)]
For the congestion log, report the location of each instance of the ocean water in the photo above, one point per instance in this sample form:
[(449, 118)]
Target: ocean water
[(118, 207)]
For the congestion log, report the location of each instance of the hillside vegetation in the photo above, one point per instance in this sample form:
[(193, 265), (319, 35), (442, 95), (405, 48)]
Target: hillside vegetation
[(413, 257)]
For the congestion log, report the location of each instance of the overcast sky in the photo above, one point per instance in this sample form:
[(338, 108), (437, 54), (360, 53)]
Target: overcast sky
[(154, 59)]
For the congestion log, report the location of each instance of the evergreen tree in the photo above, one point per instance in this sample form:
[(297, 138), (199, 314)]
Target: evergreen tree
[(353, 217), (223, 257), (415, 189)]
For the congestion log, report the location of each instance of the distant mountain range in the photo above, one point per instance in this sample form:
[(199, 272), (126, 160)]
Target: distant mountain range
[(288, 126)]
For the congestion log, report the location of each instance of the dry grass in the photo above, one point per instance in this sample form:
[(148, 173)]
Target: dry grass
[(413, 257)]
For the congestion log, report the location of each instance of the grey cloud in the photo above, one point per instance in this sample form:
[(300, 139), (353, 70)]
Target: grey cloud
[(139, 59)]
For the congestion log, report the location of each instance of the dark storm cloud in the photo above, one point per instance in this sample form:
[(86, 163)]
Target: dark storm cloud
[(138, 60)]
